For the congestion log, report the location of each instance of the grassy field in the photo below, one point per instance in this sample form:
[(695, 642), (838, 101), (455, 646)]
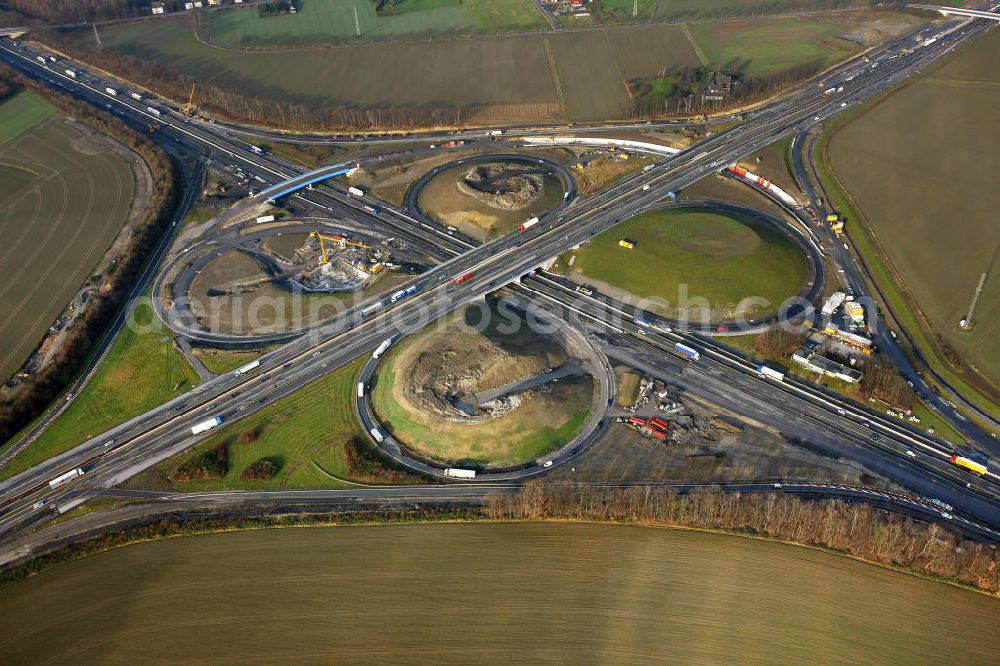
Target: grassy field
[(618, 594), (20, 113), (221, 361), (716, 257), (575, 76), (755, 48), (331, 21), (142, 370), (652, 11), (305, 434), (62, 203), (923, 217)]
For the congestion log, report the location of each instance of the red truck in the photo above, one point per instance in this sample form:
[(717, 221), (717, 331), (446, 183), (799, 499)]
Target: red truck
[(463, 278)]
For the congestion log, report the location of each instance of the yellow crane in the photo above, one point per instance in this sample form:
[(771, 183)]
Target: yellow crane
[(189, 107), (343, 242)]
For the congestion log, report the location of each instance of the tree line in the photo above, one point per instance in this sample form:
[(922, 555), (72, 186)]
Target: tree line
[(24, 402), (857, 529)]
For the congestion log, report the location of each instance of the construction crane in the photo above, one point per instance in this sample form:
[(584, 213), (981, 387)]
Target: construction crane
[(343, 242), (189, 107)]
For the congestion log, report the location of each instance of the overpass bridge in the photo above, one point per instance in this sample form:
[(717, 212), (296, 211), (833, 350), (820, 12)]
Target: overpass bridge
[(13, 33), (304, 180), (958, 11)]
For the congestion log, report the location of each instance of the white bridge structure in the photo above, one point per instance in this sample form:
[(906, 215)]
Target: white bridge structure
[(958, 11)]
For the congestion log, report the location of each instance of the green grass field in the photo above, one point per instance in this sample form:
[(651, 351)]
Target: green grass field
[(756, 48), (331, 21), (923, 216), (507, 79), (61, 206), (654, 11), (142, 370), (507, 593), (221, 361), (20, 113), (716, 257), (305, 433)]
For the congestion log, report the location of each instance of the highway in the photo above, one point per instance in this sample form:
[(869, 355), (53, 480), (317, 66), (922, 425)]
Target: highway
[(166, 430)]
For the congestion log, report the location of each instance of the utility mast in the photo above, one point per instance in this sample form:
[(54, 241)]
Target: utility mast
[(97, 35), (357, 25), (635, 8)]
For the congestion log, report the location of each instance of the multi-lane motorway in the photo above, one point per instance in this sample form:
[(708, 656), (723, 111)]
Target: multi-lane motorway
[(166, 430)]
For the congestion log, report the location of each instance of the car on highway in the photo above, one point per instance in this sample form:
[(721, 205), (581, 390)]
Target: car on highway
[(547, 463), (841, 411), (911, 453)]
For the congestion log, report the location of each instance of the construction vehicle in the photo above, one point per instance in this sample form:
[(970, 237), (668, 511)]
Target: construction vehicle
[(343, 242), (189, 107)]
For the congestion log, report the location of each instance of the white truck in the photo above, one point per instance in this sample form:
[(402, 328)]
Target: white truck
[(356, 191), (68, 476), (111, 91), (243, 369), (458, 473), (265, 218), (377, 435), (381, 348), (770, 373), (155, 112), (206, 425), (530, 223), (361, 389), (70, 73)]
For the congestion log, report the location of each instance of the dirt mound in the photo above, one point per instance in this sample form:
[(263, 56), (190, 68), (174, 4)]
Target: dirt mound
[(456, 364), (502, 186)]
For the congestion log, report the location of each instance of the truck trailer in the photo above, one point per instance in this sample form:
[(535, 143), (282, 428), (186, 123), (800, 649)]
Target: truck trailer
[(205, 426), (381, 348), (770, 373), (457, 473), (243, 369), (530, 223), (687, 351), (402, 293), (64, 478), (969, 464), (356, 191)]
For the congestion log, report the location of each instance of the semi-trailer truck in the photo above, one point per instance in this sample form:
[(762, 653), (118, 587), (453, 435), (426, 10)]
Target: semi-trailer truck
[(530, 223), (457, 473), (381, 348), (403, 293), (687, 351), (68, 476), (765, 371), (243, 369), (463, 278), (969, 464), (206, 425), (356, 191)]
